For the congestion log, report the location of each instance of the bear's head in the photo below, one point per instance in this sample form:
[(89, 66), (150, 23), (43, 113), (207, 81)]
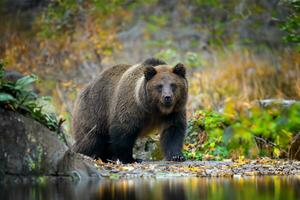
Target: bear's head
[(166, 87)]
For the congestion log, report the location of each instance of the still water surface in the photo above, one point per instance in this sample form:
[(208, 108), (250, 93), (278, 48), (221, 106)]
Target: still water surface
[(252, 188)]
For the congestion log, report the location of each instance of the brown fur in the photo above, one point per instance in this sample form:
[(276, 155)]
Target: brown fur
[(121, 105)]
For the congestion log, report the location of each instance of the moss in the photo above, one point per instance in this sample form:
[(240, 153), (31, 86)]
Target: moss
[(75, 176), (157, 154), (41, 180), (31, 164), (39, 154), (34, 161)]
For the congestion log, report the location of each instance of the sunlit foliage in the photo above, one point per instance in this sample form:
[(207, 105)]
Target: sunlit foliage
[(238, 133), (242, 77)]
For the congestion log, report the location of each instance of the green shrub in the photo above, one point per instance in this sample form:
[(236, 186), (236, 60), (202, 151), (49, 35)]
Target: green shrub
[(19, 96), (291, 25), (250, 133)]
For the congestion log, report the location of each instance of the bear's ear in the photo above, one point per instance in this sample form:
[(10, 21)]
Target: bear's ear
[(179, 69), (149, 72)]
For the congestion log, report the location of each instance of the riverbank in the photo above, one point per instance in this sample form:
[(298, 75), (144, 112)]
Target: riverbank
[(160, 169), (38, 153)]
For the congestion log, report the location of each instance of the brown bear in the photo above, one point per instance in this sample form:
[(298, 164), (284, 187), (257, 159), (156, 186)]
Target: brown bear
[(128, 101)]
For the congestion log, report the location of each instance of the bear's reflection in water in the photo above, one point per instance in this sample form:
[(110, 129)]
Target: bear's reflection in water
[(164, 188)]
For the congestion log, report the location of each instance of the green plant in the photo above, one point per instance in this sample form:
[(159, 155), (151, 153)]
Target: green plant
[(19, 96), (193, 60), (249, 133), (173, 56), (61, 16), (205, 136), (292, 25)]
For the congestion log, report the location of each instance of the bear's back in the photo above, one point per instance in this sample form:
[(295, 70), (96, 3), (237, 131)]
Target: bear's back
[(92, 104)]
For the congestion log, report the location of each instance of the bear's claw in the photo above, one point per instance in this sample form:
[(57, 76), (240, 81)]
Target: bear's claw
[(178, 158)]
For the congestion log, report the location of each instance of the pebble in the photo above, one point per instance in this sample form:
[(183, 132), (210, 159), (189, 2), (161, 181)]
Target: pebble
[(203, 169)]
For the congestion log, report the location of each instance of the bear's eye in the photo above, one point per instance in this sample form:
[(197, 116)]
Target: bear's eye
[(173, 86), (159, 87)]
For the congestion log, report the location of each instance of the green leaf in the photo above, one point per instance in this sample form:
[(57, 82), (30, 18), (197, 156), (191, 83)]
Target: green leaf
[(26, 80), (227, 135), (4, 97)]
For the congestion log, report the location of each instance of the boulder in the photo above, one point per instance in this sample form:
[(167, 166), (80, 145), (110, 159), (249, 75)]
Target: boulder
[(27, 148), (265, 103)]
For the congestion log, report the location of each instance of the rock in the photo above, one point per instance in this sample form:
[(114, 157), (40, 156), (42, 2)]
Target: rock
[(237, 176), (276, 102), (27, 148), (147, 149), (79, 165)]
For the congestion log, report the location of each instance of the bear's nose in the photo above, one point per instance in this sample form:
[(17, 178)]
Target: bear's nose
[(168, 99)]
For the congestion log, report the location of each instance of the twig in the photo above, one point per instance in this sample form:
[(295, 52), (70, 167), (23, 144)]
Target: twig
[(60, 131), (265, 141), (91, 130), (268, 143), (77, 145), (298, 150)]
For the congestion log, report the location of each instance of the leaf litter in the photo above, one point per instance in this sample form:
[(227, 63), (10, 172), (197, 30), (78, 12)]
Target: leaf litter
[(226, 168)]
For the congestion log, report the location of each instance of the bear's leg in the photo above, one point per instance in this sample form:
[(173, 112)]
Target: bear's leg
[(172, 136), (101, 149), (95, 144), (122, 142)]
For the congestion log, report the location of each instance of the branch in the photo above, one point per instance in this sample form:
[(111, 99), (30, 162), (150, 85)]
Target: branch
[(266, 142)]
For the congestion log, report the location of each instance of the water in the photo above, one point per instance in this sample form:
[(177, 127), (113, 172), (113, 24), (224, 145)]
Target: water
[(252, 188)]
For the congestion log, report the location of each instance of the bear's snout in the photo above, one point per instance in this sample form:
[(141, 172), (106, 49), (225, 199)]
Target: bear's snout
[(167, 100)]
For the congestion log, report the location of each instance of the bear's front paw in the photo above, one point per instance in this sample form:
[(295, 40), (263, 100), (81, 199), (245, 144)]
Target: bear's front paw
[(177, 158), (137, 160), (131, 160)]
